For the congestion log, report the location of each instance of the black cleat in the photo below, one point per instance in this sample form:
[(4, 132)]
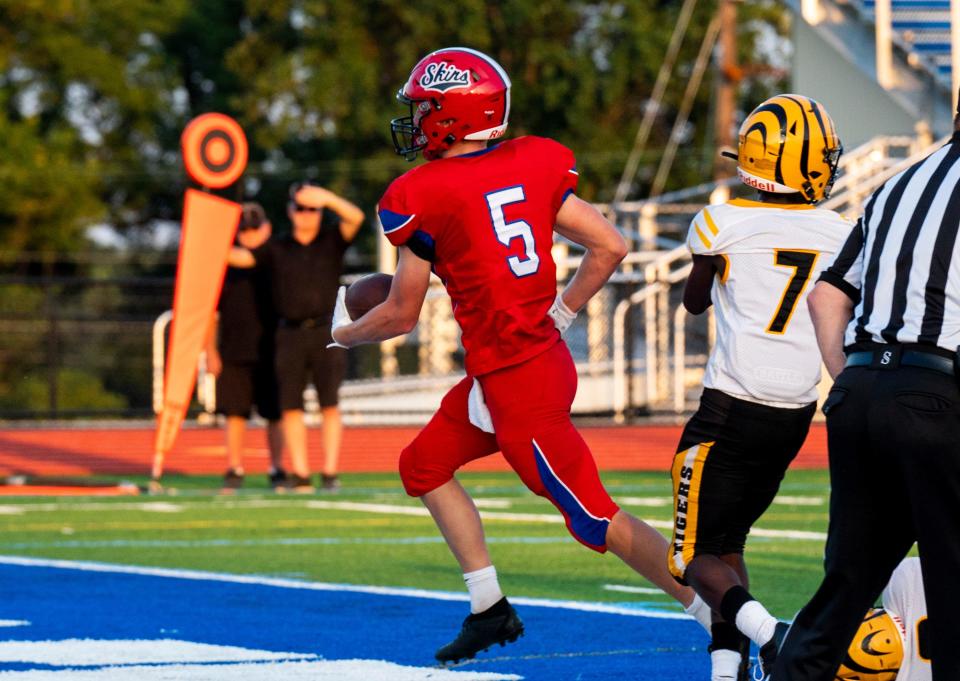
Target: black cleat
[(329, 483), (299, 484), (277, 479), (769, 650), (497, 624), (232, 481)]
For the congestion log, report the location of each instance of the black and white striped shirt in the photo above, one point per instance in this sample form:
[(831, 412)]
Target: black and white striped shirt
[(901, 263)]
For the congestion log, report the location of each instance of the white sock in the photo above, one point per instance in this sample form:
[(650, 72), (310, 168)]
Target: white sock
[(755, 622), (699, 611), (483, 587), (725, 665)]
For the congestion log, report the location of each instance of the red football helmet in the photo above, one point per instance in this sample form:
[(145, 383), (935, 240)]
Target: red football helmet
[(454, 94)]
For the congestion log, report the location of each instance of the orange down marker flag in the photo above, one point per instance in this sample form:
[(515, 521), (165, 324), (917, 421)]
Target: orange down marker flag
[(215, 155)]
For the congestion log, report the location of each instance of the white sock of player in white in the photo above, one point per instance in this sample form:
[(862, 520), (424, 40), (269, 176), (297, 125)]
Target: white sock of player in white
[(725, 665), (484, 588), (755, 622), (699, 611)]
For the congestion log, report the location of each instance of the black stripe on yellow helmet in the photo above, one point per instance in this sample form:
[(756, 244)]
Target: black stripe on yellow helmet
[(876, 652)]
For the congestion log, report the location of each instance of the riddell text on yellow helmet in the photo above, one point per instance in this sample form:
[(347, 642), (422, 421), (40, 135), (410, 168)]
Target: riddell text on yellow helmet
[(789, 145), (876, 652)]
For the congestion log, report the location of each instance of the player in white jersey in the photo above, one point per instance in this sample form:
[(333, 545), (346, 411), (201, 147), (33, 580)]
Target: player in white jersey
[(754, 261), (892, 643)]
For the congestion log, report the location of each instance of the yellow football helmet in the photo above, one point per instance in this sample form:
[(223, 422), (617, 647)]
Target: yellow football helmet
[(876, 652), (789, 144)]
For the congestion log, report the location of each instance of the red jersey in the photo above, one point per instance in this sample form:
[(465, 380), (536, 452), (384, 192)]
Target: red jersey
[(486, 220)]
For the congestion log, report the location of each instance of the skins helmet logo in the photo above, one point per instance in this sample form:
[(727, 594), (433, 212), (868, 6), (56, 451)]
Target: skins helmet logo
[(442, 76)]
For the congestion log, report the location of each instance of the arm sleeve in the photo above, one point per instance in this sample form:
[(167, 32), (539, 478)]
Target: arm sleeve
[(705, 236), (566, 164), (399, 214), (846, 270)]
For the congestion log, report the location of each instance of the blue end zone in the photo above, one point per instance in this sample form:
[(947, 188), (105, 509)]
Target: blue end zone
[(64, 603)]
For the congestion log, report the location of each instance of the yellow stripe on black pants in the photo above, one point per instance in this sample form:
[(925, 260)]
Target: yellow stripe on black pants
[(687, 472)]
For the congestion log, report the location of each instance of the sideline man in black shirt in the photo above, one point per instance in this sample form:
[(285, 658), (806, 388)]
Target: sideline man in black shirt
[(304, 271), (240, 354)]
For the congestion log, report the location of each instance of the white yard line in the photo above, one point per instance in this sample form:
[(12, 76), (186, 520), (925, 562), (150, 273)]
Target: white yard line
[(269, 541), (623, 588), (283, 670), (397, 509)]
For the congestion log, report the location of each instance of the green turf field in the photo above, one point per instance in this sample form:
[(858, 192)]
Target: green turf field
[(360, 536)]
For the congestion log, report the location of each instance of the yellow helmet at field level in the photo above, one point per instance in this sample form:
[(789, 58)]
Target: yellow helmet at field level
[(876, 652), (789, 144)]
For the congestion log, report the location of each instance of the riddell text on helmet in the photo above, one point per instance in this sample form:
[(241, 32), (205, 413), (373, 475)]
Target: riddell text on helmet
[(758, 184)]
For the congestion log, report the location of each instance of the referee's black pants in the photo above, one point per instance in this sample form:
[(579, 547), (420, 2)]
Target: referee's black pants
[(894, 438)]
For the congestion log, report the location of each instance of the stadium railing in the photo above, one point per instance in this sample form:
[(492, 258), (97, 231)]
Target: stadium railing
[(637, 350)]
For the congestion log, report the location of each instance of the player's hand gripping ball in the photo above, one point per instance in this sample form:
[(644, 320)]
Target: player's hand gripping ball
[(366, 293), (354, 302)]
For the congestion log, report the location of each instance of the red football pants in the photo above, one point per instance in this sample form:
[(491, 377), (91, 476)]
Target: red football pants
[(530, 407)]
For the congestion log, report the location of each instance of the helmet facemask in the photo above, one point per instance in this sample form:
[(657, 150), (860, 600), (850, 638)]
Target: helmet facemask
[(408, 138)]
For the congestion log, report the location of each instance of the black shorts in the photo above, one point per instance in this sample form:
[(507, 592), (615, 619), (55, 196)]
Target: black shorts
[(241, 385), (731, 459), (302, 355)]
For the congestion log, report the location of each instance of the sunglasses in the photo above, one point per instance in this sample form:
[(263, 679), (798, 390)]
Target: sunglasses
[(300, 208)]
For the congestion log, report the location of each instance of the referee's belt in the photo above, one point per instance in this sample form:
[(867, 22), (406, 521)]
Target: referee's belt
[(893, 356), (309, 323)]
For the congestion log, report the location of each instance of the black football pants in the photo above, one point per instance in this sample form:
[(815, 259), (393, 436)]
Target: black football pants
[(894, 438)]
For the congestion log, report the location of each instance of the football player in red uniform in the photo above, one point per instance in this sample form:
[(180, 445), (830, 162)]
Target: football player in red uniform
[(482, 217)]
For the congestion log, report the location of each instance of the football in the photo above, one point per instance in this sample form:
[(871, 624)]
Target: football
[(366, 293)]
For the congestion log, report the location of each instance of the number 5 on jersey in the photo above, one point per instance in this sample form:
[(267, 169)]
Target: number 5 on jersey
[(518, 229), (802, 263)]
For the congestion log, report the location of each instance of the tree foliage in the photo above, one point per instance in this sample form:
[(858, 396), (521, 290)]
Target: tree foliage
[(94, 93)]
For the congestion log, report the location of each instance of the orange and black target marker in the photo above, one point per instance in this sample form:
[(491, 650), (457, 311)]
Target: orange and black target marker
[(214, 150)]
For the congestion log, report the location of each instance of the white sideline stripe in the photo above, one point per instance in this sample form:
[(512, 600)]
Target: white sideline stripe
[(623, 588), (11, 510), (417, 511), (394, 509), (95, 653), (256, 580), (14, 623), (492, 503), (799, 501), (312, 670), (276, 541), (784, 500), (160, 507), (552, 518), (645, 501)]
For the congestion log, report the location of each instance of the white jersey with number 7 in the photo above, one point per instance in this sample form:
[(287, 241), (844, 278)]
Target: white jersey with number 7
[(766, 350)]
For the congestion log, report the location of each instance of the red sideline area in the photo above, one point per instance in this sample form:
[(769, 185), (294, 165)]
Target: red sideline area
[(125, 451)]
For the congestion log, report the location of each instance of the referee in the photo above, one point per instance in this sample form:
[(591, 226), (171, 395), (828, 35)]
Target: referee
[(304, 270), (887, 317)]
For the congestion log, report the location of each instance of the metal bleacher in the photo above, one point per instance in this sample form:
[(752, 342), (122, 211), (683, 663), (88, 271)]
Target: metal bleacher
[(921, 28)]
